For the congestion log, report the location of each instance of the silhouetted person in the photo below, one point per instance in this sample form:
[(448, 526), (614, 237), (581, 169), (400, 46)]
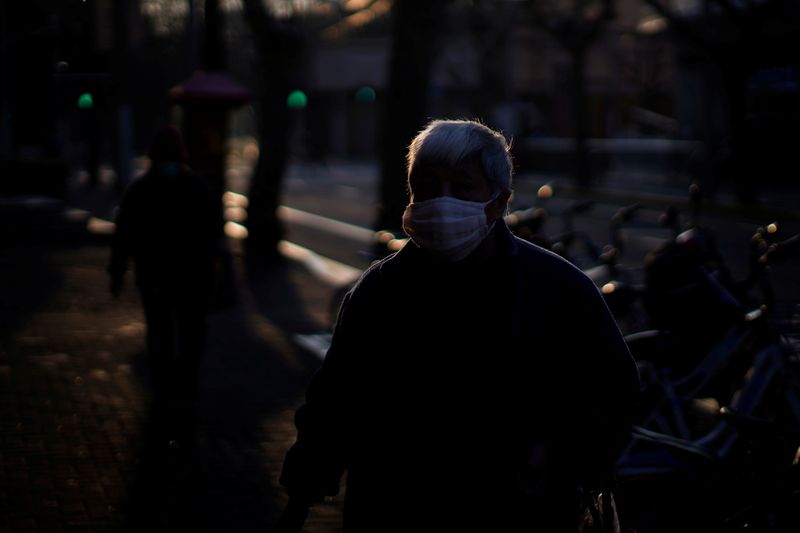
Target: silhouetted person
[(167, 224), (475, 381)]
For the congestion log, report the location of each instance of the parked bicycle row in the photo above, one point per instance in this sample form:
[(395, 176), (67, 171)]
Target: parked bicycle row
[(715, 446)]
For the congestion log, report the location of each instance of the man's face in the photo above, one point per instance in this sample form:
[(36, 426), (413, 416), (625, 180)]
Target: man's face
[(467, 182)]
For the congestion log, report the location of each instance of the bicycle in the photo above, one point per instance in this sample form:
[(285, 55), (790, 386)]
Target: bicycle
[(718, 450), (742, 470), (529, 223)]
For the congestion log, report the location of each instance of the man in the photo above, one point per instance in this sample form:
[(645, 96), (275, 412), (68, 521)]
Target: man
[(474, 380), (168, 225)]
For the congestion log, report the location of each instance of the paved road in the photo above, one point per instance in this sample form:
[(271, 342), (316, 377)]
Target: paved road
[(77, 446), (77, 449), (347, 193)]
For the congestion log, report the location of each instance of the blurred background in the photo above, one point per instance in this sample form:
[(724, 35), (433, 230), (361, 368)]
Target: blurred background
[(658, 92), (630, 121)]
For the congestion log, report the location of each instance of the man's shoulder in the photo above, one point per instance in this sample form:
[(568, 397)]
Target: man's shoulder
[(378, 269), (389, 271), (544, 264), (533, 253)]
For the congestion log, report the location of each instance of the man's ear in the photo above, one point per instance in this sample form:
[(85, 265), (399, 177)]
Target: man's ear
[(497, 208)]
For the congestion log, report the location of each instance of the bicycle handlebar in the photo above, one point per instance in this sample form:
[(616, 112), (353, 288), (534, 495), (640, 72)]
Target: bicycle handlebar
[(626, 214), (780, 251), (757, 425)]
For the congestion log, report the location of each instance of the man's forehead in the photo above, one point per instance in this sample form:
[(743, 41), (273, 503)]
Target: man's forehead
[(466, 168)]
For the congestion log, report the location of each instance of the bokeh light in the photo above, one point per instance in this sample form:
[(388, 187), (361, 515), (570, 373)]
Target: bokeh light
[(297, 99), (86, 101), (365, 94)]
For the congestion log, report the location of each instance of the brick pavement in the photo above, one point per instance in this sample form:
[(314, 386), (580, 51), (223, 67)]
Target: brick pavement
[(77, 447)]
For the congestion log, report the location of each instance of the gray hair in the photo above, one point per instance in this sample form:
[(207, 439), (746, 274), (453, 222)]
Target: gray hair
[(449, 142)]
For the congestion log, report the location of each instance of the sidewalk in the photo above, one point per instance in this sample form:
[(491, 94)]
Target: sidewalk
[(76, 449), (77, 452), (622, 186)]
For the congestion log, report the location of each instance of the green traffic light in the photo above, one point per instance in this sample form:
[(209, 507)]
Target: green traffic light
[(85, 101), (297, 99), (365, 94)]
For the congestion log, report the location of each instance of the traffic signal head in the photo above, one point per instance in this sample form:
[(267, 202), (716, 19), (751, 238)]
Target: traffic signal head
[(365, 94), (85, 101), (297, 99)]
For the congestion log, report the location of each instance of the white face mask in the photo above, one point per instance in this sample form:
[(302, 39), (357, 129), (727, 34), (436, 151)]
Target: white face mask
[(447, 227)]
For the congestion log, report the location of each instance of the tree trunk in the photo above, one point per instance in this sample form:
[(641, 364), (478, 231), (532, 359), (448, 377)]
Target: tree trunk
[(213, 44), (739, 166), (123, 133), (414, 38), (581, 169), (278, 51)]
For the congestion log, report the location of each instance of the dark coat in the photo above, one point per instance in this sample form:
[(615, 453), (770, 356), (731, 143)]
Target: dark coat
[(471, 396), (169, 226)]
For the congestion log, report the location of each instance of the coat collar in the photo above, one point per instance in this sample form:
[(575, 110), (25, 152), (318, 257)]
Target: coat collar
[(412, 256)]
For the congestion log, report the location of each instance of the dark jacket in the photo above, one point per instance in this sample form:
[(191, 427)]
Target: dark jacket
[(467, 396), (168, 225)]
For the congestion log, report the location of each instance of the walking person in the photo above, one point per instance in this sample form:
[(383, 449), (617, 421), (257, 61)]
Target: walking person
[(475, 381), (167, 225)]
